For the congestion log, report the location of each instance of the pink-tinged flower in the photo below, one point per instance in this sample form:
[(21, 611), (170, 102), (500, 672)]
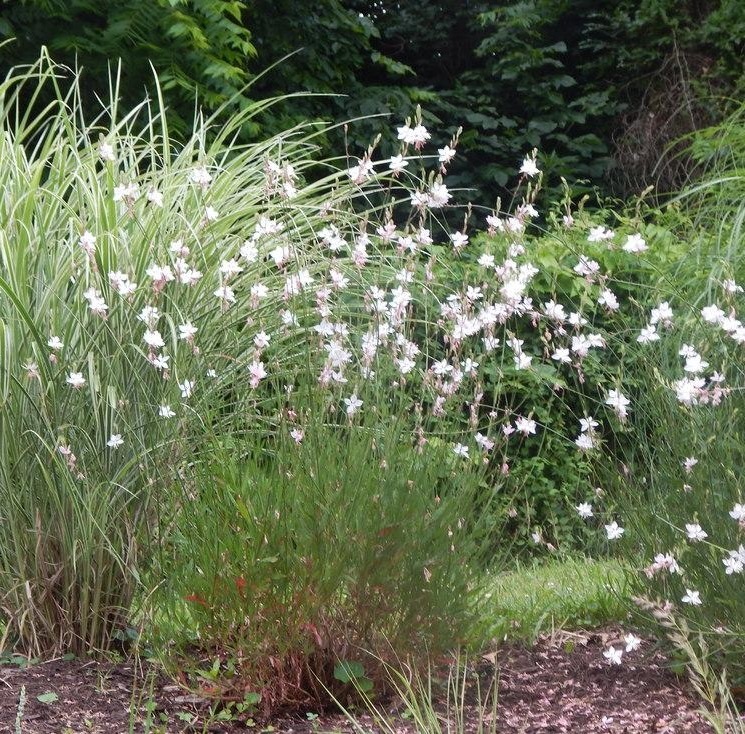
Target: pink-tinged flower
[(88, 243), (415, 136), (688, 464), (298, 434), (257, 373), (201, 177)]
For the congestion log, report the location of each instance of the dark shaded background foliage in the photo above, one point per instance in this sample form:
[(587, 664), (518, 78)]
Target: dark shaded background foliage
[(601, 87)]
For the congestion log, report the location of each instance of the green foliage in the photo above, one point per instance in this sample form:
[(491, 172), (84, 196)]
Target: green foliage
[(664, 497), (197, 47), (303, 566)]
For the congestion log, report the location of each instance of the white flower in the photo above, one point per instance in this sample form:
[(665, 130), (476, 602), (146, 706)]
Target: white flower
[(446, 154), (153, 339), (106, 152), (689, 463), (225, 293), (662, 314), (613, 656), (55, 343), (585, 442), (529, 167), (632, 642), (115, 441), (733, 563), (459, 240), (257, 372), (584, 510), (87, 242), (588, 425), (562, 355), (525, 426), (415, 136), (737, 512), (608, 299), (619, 402), (692, 597), (230, 268), (438, 195), (165, 411), (397, 164), (186, 387), (695, 532), (353, 404), (648, 334), (126, 192), (201, 177), (635, 243), (460, 450), (75, 380), (600, 234), (586, 268), (187, 331), (155, 197), (712, 314), (614, 531)]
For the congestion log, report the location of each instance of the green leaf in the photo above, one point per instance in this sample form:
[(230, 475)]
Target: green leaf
[(48, 697), (347, 671)]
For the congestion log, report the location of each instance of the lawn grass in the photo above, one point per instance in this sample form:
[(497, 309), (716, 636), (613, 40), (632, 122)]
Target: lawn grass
[(567, 593)]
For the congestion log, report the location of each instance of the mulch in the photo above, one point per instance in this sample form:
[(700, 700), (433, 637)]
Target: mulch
[(561, 684)]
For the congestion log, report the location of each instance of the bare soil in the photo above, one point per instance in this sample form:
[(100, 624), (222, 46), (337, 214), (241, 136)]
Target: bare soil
[(561, 684)]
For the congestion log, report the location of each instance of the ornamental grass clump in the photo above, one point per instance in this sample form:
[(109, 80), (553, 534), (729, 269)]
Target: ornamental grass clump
[(120, 253)]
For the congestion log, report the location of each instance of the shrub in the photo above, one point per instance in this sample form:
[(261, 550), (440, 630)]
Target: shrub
[(342, 549)]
